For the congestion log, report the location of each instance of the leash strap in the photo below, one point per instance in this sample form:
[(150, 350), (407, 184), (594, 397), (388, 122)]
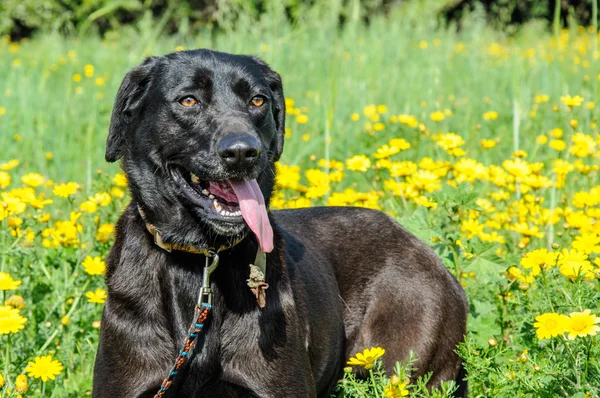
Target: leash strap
[(201, 312), (190, 341)]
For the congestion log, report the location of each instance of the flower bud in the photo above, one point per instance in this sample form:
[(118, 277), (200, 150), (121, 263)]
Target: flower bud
[(21, 384)]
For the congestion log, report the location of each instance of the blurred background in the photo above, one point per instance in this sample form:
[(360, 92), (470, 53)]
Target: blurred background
[(22, 18)]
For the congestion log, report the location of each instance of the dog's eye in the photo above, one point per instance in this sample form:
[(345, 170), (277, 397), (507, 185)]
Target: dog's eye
[(258, 100), (188, 101)]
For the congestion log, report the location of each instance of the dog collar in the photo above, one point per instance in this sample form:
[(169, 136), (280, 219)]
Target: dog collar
[(258, 270), (169, 247)]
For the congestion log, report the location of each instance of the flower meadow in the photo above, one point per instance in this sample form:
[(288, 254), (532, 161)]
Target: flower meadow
[(487, 147)]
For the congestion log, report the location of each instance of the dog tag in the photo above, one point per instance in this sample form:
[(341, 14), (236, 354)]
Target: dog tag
[(256, 282)]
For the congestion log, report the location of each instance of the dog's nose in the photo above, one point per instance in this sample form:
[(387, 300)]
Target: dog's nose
[(238, 149)]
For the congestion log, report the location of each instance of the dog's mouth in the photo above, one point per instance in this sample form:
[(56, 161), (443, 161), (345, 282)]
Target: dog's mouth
[(228, 204), (216, 198)]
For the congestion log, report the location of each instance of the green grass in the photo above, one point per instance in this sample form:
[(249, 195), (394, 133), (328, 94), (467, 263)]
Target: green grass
[(405, 62), (385, 66)]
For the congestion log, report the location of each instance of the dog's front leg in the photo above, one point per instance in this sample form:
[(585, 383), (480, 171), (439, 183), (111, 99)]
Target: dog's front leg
[(131, 359)]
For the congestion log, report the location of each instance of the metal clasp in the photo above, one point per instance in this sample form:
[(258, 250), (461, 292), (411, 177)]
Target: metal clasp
[(205, 295)]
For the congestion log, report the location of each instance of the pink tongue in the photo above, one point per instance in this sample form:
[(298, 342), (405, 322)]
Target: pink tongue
[(254, 211)]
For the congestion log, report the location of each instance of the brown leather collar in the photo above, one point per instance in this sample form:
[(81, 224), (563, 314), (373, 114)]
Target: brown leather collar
[(169, 247)]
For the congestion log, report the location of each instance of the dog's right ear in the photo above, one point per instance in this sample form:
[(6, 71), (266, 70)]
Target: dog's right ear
[(128, 102)]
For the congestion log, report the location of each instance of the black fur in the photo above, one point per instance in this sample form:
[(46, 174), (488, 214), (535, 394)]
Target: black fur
[(340, 279)]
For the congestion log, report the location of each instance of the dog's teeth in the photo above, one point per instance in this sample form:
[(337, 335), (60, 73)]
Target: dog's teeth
[(195, 179), (217, 206), (212, 197), (205, 192)]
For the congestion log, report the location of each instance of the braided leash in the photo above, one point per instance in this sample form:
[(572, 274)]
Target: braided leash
[(201, 312)]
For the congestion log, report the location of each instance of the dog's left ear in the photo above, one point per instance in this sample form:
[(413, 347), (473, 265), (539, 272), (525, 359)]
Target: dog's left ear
[(276, 86), (128, 103)]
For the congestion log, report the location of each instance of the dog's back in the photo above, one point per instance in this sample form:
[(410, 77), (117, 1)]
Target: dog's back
[(397, 294)]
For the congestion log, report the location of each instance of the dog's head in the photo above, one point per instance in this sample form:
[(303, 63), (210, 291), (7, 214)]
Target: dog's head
[(198, 133)]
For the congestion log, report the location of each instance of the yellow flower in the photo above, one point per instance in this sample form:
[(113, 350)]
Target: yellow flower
[(587, 243), (583, 145), (89, 206), (10, 320), (120, 180), (378, 126), (88, 70), (105, 233), (1, 381), (574, 263), (541, 98), (385, 151), (487, 143), (4, 179), (21, 384), (65, 190), (571, 101), (99, 81), (33, 179), (355, 117), (538, 259), (76, 77), (98, 296), (400, 143), (358, 163), (366, 358), (302, 118), (437, 116), (408, 120), (117, 193), (451, 143), (491, 115), (11, 164), (101, 198), (94, 265), (15, 301), (581, 324), (550, 325), (395, 390), (7, 282), (44, 368), (558, 145)]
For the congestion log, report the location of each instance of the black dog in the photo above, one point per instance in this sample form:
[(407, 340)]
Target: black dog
[(198, 133)]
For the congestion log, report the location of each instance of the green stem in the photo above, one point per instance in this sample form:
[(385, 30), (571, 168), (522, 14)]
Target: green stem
[(373, 383), (4, 249), (457, 269), (595, 37), (573, 358), (556, 21), (6, 356), (589, 351), (547, 289), (48, 340)]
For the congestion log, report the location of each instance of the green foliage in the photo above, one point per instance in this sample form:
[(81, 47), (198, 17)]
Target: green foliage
[(377, 384), (22, 18)]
